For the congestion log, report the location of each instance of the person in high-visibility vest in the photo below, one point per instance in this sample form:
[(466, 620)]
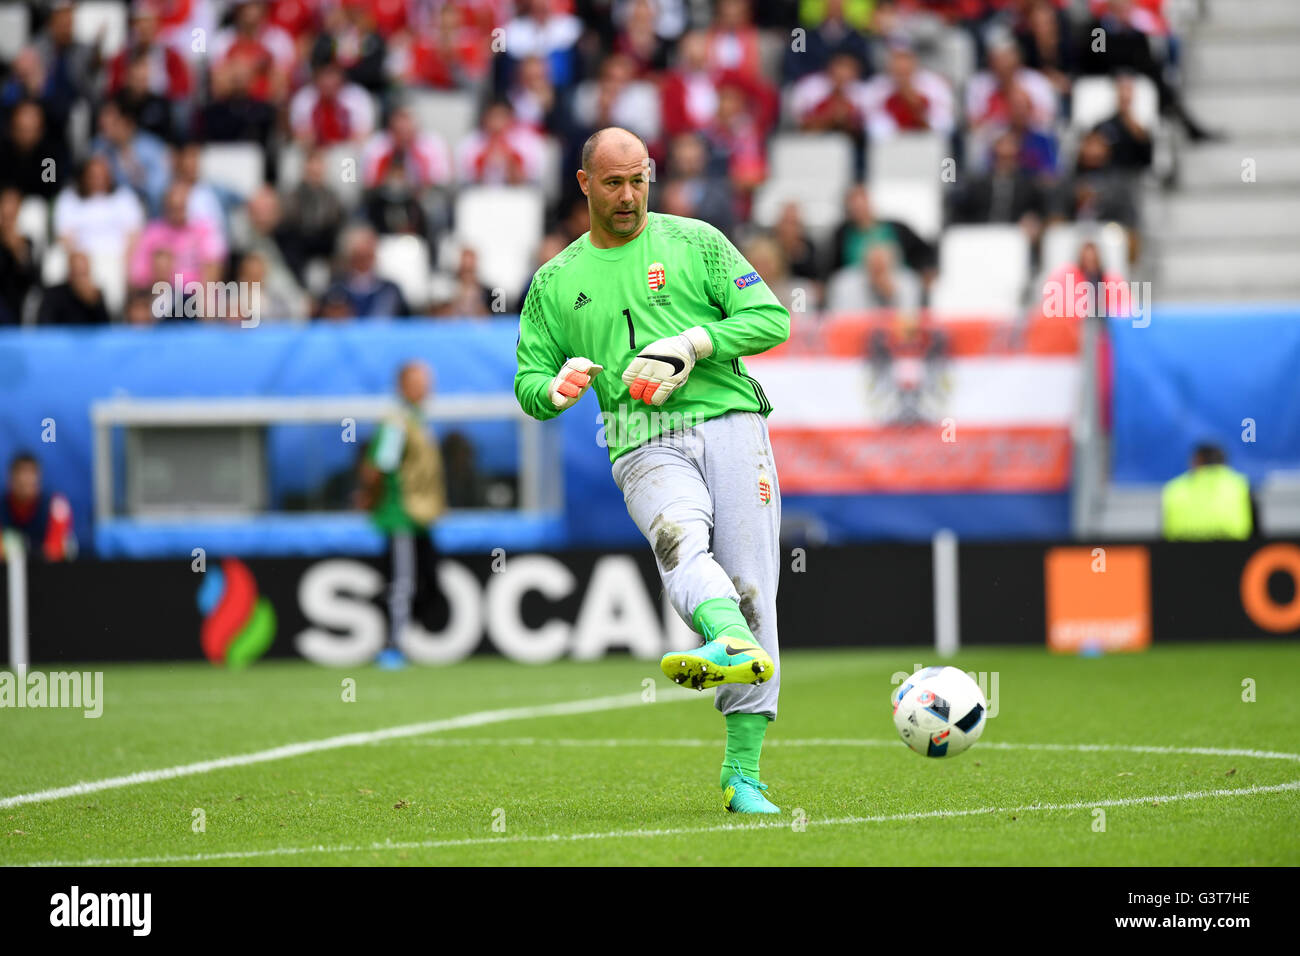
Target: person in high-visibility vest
[(1210, 501)]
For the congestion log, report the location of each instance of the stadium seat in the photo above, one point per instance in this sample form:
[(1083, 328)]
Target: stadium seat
[(503, 224), (1062, 240), (824, 160), (916, 202), (109, 270), (15, 22), (405, 260), (91, 18), (34, 223), (813, 170), (553, 178), (54, 267), (820, 212), (643, 96), (982, 270), (236, 166), (450, 115), (907, 156), (955, 57), (1093, 100), (345, 179)]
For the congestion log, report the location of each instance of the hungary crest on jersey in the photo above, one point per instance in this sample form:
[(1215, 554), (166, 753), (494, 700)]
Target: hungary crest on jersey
[(657, 278)]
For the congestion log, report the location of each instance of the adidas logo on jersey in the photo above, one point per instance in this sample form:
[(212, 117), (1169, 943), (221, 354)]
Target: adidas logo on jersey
[(581, 301)]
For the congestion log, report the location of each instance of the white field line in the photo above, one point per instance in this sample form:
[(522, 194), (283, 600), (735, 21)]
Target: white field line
[(841, 742), (477, 719), (676, 831)]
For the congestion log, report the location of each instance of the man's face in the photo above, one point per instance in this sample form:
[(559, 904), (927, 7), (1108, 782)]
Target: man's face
[(174, 206), (618, 185), (25, 481), (28, 125), (415, 382)]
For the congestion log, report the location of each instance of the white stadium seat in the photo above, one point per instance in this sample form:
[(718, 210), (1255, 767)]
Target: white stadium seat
[(450, 115), (54, 267), (1062, 240), (824, 160), (34, 222), (15, 22), (819, 211), (405, 261), (92, 19), (1093, 100), (908, 156), (343, 171), (236, 166), (109, 270), (553, 178), (503, 225), (982, 270), (917, 203)]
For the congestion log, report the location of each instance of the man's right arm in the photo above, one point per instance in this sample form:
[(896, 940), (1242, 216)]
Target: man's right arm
[(538, 355)]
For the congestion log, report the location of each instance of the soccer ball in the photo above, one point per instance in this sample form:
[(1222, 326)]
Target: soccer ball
[(939, 711)]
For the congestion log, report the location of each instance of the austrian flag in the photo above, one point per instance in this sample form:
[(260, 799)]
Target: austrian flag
[(657, 277)]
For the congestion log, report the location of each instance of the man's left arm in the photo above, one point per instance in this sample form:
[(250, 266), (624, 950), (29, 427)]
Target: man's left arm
[(753, 319)]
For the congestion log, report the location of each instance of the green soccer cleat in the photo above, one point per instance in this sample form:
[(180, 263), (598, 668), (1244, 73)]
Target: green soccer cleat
[(723, 660), (744, 794)]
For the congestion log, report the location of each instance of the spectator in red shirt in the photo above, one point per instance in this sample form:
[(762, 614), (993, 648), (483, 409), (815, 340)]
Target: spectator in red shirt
[(640, 42), (737, 134), (295, 17), (733, 40), (266, 48), (688, 92), (330, 110), (423, 156), (44, 521), (832, 99), (449, 55), (988, 94), (501, 150), (168, 74), (908, 98)]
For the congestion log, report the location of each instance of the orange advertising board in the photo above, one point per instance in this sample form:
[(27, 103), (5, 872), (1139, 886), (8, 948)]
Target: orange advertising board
[(1098, 599)]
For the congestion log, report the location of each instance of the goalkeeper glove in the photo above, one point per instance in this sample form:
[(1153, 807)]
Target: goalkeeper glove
[(664, 365), (574, 378)]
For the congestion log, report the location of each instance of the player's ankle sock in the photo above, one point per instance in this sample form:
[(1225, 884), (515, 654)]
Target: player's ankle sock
[(718, 616), (744, 744)]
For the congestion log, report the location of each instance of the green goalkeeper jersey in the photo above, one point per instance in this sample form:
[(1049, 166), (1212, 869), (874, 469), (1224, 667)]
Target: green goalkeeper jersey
[(609, 304)]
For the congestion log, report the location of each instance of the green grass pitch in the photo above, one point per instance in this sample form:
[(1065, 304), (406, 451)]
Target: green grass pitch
[(635, 783)]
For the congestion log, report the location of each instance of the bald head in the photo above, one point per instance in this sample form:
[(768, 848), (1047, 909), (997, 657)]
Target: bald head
[(611, 144), (615, 178)]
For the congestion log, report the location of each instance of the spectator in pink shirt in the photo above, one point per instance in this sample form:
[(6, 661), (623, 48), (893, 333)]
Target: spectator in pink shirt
[(197, 249)]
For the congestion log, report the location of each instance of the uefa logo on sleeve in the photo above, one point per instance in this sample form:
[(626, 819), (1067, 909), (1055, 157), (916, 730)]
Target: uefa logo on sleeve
[(657, 278)]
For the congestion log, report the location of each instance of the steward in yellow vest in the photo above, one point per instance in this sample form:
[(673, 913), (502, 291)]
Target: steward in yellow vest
[(1208, 502)]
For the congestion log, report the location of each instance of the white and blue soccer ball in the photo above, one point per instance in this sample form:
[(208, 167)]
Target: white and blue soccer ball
[(939, 711)]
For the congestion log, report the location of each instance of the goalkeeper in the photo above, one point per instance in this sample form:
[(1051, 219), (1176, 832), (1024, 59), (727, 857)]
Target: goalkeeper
[(655, 312)]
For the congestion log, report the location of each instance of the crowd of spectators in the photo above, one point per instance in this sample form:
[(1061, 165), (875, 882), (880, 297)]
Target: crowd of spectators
[(104, 149)]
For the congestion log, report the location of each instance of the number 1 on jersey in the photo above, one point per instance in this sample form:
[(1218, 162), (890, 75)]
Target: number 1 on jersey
[(631, 332)]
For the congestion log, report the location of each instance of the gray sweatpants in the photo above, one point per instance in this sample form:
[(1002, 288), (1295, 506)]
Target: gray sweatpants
[(707, 500)]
